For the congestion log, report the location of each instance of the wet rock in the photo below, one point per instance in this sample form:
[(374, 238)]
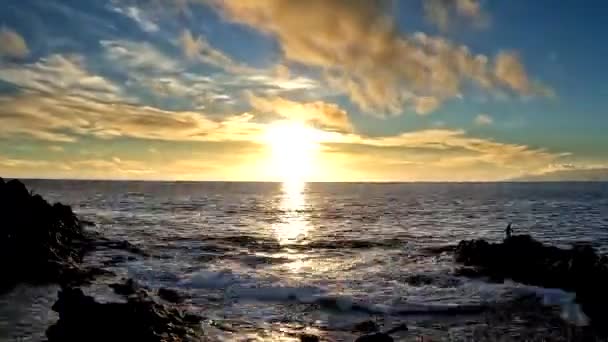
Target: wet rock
[(398, 328), (309, 338), (81, 318), (170, 295), (39, 242), (376, 337), (128, 288), (366, 327), (523, 259), (419, 279)]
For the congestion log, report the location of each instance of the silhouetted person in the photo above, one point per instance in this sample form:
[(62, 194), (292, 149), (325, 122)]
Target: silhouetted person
[(508, 231)]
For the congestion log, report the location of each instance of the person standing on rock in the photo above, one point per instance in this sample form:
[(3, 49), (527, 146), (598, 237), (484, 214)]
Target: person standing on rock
[(508, 231)]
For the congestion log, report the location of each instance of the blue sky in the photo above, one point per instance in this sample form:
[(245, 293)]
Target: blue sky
[(393, 90)]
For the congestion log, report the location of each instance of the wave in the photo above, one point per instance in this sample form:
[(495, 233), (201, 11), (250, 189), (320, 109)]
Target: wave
[(271, 244)]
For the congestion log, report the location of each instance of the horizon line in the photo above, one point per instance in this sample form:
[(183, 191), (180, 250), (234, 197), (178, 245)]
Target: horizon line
[(305, 182)]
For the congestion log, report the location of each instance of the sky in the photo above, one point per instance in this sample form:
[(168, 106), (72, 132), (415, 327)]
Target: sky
[(316, 90)]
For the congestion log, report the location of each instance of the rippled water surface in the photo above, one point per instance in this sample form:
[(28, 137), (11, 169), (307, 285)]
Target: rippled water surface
[(268, 261)]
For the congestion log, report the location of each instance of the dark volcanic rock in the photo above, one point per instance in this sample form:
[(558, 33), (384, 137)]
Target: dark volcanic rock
[(81, 318), (309, 338), (528, 261), (170, 295), (366, 327), (39, 242), (129, 287)]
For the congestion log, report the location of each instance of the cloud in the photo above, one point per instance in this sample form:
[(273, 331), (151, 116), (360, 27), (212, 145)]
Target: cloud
[(426, 104), (12, 44), (65, 118), (442, 12), (438, 154), (147, 67), (193, 166), (141, 56), (568, 172), (483, 120), (199, 49), (138, 17), (321, 113), (60, 74), (361, 52), (509, 71), (61, 101), (56, 148)]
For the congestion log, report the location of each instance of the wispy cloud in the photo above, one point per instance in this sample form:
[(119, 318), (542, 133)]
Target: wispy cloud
[(510, 71), (134, 13), (60, 74), (199, 49), (443, 12), (483, 120), (142, 56), (438, 154)]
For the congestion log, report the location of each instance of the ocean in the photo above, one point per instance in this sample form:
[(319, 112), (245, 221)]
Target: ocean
[(266, 261)]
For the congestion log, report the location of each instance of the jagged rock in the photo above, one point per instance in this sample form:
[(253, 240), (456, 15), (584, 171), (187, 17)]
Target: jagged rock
[(81, 318), (309, 338), (170, 295), (366, 327), (39, 242), (523, 259), (129, 287)]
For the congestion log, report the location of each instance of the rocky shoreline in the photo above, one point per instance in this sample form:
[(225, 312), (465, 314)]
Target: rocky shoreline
[(523, 259), (140, 318), (39, 242), (43, 243)]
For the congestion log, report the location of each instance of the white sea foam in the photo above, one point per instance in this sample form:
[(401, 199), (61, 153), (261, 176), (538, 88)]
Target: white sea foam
[(571, 311)]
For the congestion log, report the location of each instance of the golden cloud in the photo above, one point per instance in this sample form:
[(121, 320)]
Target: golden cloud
[(361, 52), (436, 155), (321, 113)]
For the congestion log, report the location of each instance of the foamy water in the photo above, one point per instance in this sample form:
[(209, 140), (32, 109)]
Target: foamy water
[(267, 261)]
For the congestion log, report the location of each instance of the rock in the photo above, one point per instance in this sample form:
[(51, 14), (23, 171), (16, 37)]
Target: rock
[(523, 259), (309, 338), (39, 242), (376, 337), (128, 288), (366, 327), (170, 295), (400, 327), (419, 279), (81, 318)]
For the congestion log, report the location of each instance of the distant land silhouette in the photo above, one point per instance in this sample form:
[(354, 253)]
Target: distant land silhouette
[(574, 175)]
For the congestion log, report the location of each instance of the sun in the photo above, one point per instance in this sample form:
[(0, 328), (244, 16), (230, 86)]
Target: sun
[(293, 147)]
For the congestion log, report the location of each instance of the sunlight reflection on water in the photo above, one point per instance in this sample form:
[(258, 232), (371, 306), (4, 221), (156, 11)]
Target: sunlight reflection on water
[(294, 224)]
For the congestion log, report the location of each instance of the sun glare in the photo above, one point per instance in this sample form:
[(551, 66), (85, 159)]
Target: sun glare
[(293, 148)]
